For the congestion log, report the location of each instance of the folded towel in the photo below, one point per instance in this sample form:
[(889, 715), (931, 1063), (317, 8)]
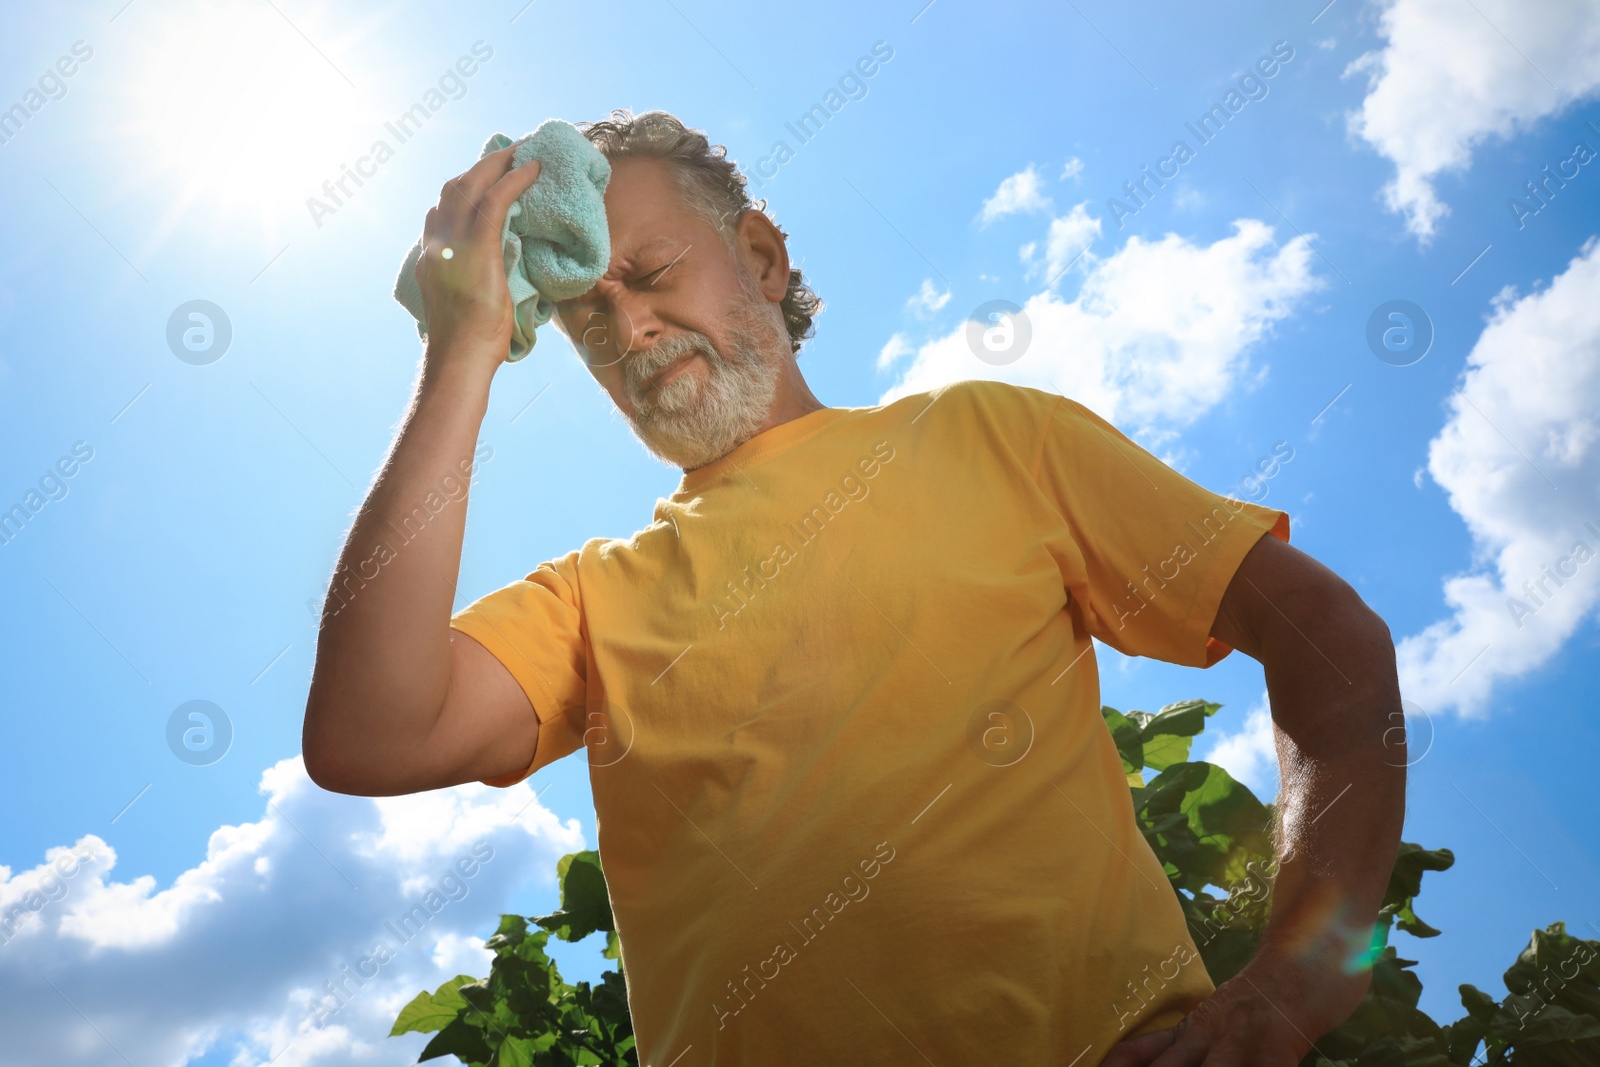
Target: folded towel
[(556, 242)]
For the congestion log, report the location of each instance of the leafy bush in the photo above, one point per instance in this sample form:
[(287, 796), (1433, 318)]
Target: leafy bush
[(1209, 831), (524, 1014)]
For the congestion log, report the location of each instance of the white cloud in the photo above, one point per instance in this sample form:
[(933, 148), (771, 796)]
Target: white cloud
[(928, 299), (235, 952), (1157, 334), (1250, 753), (897, 346), (1528, 409), (1070, 237), (457, 954), (1020, 192), (1451, 76), (1073, 168)]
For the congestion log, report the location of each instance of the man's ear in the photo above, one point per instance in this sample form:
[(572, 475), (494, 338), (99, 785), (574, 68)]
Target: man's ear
[(761, 246)]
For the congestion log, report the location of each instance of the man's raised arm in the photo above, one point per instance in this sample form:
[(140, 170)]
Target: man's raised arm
[(398, 701)]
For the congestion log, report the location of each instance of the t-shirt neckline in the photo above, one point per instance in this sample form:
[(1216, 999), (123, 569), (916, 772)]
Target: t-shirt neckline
[(761, 446)]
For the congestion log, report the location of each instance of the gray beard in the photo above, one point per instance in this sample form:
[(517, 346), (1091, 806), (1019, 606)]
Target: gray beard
[(689, 422)]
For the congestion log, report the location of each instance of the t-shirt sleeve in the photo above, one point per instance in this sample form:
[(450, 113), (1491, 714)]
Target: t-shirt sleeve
[(1152, 552), (534, 627)]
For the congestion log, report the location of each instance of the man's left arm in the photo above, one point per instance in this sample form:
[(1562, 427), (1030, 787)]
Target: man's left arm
[(1334, 692)]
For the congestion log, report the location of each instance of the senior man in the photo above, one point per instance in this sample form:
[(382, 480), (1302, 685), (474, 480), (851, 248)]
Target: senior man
[(854, 796)]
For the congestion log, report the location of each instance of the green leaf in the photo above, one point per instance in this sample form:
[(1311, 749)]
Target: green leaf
[(1164, 750), (1183, 719), (1480, 1005), (585, 902), (1125, 732), (428, 1012), (1387, 1028), (1559, 968), (1550, 1017), (512, 929), (1167, 735), (1466, 1034), (461, 1041), (611, 998), (1228, 820), (1167, 790), (1551, 1023), (476, 994), (1405, 884), (515, 1052)]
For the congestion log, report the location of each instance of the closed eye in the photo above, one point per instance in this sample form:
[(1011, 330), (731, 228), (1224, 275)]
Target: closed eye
[(661, 272)]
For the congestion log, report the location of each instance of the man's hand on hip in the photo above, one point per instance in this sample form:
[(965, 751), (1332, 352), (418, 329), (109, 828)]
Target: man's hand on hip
[(1267, 1015)]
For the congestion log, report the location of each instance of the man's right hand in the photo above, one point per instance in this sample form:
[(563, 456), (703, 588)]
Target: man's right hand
[(465, 296)]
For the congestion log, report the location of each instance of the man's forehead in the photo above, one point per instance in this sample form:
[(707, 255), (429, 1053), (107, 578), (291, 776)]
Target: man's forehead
[(645, 210)]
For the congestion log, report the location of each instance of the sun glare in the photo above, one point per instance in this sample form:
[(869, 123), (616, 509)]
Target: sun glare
[(241, 114)]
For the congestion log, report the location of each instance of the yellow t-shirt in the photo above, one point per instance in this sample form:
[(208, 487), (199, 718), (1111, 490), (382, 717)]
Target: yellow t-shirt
[(854, 796)]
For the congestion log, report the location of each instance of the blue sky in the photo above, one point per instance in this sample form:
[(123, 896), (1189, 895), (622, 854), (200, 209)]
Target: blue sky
[(1223, 318)]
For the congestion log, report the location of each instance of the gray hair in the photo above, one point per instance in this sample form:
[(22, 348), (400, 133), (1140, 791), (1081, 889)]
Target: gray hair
[(712, 187)]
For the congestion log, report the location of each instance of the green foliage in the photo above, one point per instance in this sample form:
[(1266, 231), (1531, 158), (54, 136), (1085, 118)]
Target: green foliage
[(585, 902), (524, 1014), (1214, 839), (1211, 833), (1551, 1014)]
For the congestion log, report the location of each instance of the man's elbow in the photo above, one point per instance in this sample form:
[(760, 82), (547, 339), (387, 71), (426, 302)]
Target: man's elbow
[(1323, 632), (1372, 626), (1357, 614), (337, 775), (322, 764), (327, 761), (1361, 634)]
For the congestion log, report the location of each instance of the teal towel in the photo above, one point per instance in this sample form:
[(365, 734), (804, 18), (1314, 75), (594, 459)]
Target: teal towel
[(555, 241)]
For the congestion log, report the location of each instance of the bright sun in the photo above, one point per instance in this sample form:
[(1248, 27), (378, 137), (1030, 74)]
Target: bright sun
[(239, 113)]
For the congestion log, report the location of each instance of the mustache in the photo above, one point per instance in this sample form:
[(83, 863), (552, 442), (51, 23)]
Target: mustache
[(644, 365)]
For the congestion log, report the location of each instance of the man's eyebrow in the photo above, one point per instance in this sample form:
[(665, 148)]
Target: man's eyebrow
[(662, 272), (660, 241), (650, 246)]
